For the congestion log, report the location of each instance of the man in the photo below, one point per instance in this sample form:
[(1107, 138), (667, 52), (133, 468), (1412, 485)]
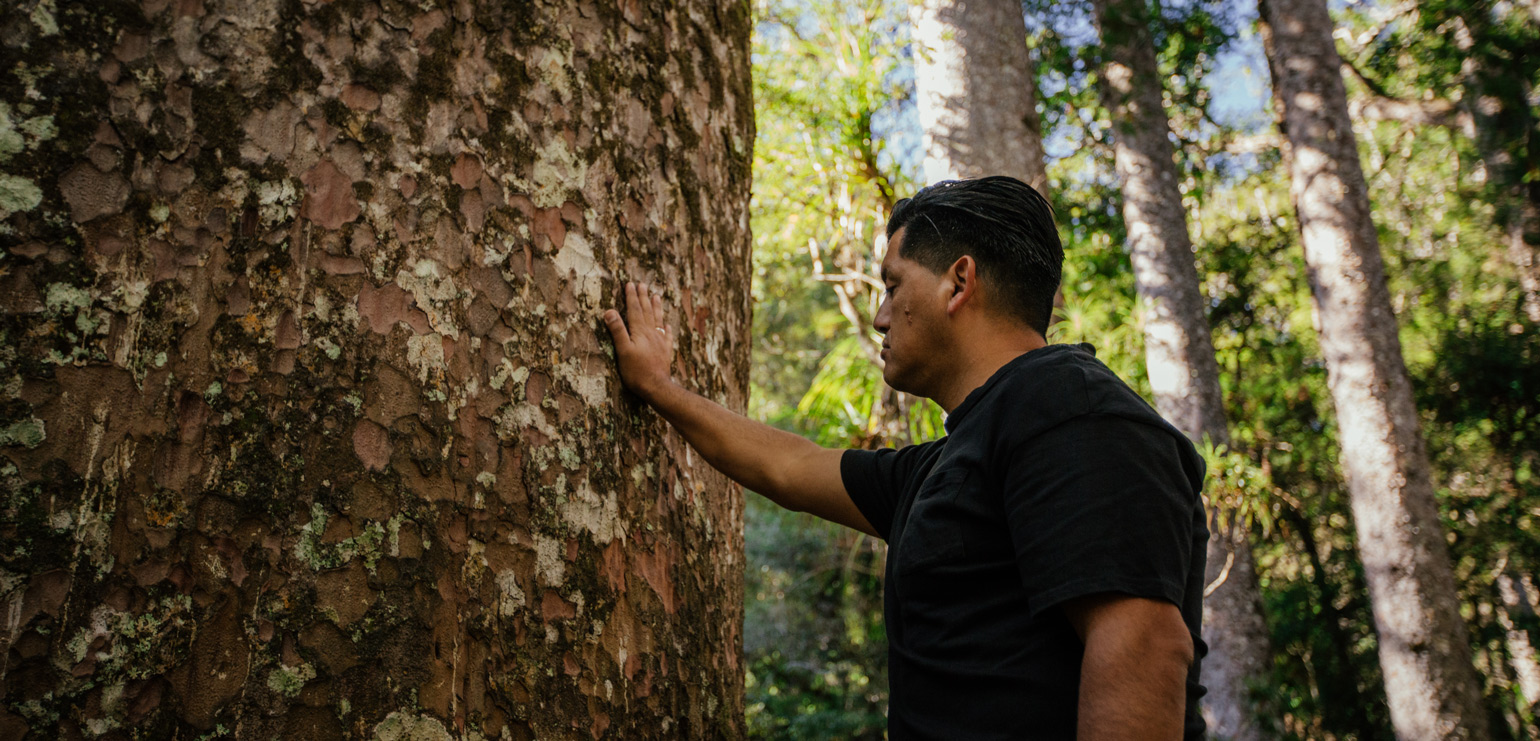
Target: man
[(1044, 576)]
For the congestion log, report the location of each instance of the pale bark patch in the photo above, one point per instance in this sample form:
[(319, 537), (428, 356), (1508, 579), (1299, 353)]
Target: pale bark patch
[(550, 566), (360, 98)]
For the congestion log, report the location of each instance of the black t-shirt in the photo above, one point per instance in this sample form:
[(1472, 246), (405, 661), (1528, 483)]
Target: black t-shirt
[(1055, 481)]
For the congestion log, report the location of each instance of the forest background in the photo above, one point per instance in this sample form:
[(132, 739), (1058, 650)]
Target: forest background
[(838, 142)]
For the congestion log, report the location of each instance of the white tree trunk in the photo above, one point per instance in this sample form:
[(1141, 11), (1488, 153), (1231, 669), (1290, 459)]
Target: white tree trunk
[(1516, 596), (976, 93), (1179, 352), (1424, 645)]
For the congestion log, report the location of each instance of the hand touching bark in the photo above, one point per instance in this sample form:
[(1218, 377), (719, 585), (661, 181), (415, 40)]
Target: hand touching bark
[(791, 471), (644, 344)]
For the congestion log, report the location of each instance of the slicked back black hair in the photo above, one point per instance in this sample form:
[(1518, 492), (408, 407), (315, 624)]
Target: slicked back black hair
[(1004, 224)]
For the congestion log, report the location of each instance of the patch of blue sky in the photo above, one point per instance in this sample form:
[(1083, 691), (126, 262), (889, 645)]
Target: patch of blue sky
[(1239, 83)]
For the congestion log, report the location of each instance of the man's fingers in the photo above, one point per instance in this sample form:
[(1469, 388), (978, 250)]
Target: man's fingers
[(635, 315), (617, 327), (638, 299), (649, 304), (644, 307)]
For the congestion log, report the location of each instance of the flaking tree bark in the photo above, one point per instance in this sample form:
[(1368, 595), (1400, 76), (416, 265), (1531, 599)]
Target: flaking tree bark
[(975, 91), (1179, 352), (1423, 642), (311, 430)]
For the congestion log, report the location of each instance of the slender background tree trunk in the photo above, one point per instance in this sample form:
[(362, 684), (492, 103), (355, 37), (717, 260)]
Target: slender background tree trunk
[(1424, 646), (1179, 352), (976, 93), (1508, 136), (300, 316), (1517, 617)]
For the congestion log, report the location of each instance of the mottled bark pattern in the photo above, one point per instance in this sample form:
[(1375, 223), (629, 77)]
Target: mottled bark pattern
[(1424, 646), (976, 94), (1239, 645), (1178, 349), (1179, 352), (1518, 609), (323, 437)]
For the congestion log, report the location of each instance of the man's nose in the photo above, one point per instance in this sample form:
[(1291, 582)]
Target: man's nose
[(880, 322)]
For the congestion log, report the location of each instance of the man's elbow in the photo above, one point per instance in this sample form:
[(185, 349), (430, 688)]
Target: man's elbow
[(777, 487), (788, 478), (1176, 646), (1167, 639)]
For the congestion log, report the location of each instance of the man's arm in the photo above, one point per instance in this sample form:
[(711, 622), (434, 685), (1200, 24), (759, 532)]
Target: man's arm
[(1133, 677), (788, 469)]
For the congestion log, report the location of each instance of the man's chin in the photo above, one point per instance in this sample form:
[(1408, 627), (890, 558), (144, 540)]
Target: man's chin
[(894, 380)]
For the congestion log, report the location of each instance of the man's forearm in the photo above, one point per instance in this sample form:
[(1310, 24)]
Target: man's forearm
[(751, 453)]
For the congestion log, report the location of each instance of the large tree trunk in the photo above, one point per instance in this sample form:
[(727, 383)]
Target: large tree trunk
[(976, 93), (1424, 647), (1179, 352), (311, 428)]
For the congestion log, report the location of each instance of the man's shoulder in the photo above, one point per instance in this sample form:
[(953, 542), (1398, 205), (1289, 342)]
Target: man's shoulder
[(1072, 398), (1065, 383)]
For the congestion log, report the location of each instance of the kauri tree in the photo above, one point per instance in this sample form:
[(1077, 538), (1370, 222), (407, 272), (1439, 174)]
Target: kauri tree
[(309, 429), (976, 92), (1424, 646)]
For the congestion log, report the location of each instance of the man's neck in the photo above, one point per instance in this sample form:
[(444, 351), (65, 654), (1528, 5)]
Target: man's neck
[(992, 348)]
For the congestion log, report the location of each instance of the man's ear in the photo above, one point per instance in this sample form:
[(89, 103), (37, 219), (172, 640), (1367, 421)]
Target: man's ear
[(963, 280)]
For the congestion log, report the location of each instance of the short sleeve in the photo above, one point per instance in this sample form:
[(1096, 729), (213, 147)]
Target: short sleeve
[(877, 479), (1101, 503)]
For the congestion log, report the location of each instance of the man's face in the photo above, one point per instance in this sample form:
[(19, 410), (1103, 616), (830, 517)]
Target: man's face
[(913, 321)]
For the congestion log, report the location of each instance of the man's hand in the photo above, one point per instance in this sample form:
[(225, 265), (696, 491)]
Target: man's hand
[(790, 470), (644, 344), (1133, 677)]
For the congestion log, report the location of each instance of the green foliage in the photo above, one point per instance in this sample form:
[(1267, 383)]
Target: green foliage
[(814, 638), (824, 182), (823, 179), (843, 404)]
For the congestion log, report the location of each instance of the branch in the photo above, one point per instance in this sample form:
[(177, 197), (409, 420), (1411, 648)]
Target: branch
[(1357, 45), (1380, 105), (1232, 143), (1253, 143)]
